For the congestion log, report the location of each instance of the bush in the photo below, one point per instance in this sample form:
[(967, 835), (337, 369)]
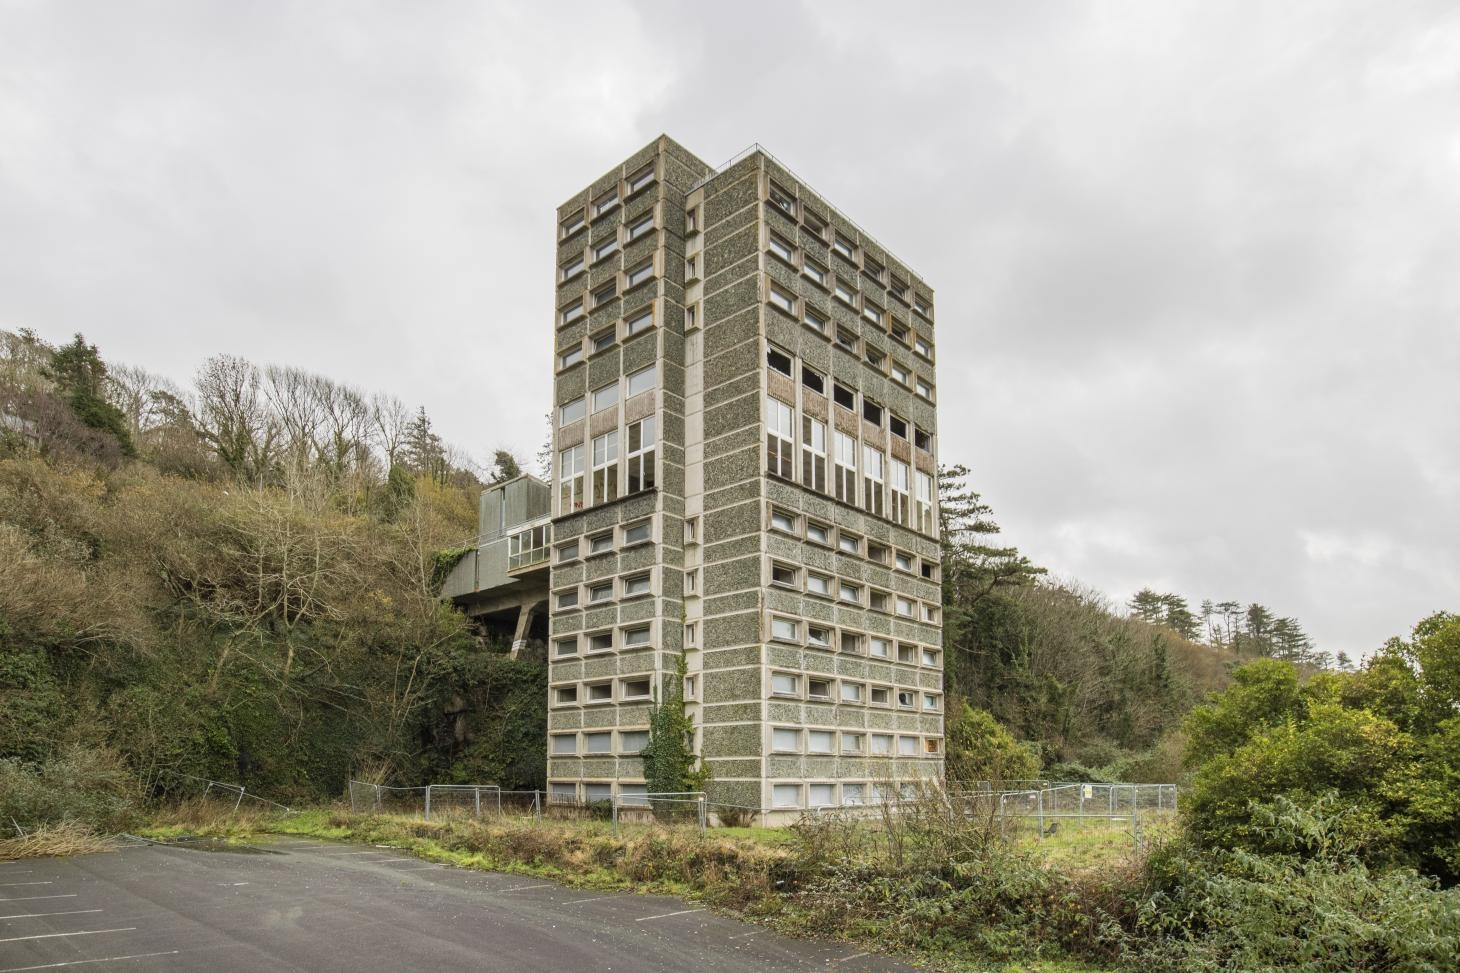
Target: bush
[(1314, 907), (82, 785)]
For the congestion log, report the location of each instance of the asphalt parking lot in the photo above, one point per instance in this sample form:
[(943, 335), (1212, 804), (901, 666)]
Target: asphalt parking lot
[(306, 905)]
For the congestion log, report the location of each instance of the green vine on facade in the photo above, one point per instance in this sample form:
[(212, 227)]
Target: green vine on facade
[(670, 763)]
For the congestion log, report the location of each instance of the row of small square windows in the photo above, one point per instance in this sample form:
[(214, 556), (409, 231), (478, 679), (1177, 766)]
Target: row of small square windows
[(820, 533), (608, 201), (815, 742), (598, 742), (607, 396), (824, 689), (602, 340), (818, 585), (784, 797), (778, 360), (844, 338), (614, 289)]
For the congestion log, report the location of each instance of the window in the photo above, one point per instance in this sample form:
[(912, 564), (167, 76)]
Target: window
[(692, 530), (639, 533), (604, 340), (636, 689), (901, 374), (923, 306), (930, 613), (899, 494), (783, 521), (850, 593), (642, 178), (881, 743), (600, 592), (598, 742), (605, 248), (786, 795), (784, 739), (818, 533), (812, 319), (605, 202), (690, 318), (904, 561), (844, 396), (641, 455), (875, 357), (571, 269), (813, 380), (905, 698), (570, 479), (691, 687), (605, 398), (871, 268), (872, 460), (777, 360), (924, 389), (568, 598), (564, 647), (605, 467), (632, 741), (573, 224), (782, 249), (813, 223), (785, 576), (846, 339), (818, 689), (692, 220), (570, 357), (637, 585), (907, 654), (595, 793), (879, 648), (897, 426), (639, 274), (784, 629), (783, 300), (925, 502), (818, 584), (930, 657), (852, 692), (907, 746), (565, 695), (779, 445), (854, 794), (785, 684), (877, 552), (877, 600), (880, 695), (601, 641), (846, 468), (642, 227), (851, 643), (643, 380), (932, 745), (813, 454), (601, 543), (904, 607), (849, 543), (692, 634), (872, 412), (844, 293), (921, 346), (899, 333), (572, 312), (899, 289), (572, 412), (929, 570), (638, 636), (841, 245), (923, 440), (814, 271), (692, 581), (821, 795), (642, 321), (782, 200), (565, 743), (872, 313), (820, 741), (691, 268)]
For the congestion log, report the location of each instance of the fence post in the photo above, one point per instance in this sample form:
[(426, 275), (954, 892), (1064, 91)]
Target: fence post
[(476, 796), (377, 796), (704, 816), (428, 802), (239, 801), (613, 806), (536, 806), (1041, 814)]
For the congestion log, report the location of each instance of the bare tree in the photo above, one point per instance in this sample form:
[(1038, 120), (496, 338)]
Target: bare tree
[(234, 416), (389, 419)]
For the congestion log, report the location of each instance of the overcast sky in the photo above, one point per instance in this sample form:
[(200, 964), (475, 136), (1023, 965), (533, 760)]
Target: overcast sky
[(1197, 264)]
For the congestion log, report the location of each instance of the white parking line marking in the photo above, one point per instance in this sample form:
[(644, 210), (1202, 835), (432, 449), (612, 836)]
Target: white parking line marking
[(7, 885), (591, 898), (82, 962), (666, 915), (61, 935), (37, 915), (848, 959), (32, 898), (524, 888)]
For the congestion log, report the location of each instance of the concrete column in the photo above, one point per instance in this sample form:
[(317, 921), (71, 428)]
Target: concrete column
[(525, 615)]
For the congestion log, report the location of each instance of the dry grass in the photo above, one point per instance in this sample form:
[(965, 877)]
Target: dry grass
[(56, 840)]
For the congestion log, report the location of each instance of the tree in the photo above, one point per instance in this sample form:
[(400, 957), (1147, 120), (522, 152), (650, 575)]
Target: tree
[(972, 568), (504, 467), (81, 379), (234, 418), (979, 748), (670, 764), (422, 449), (1147, 605)]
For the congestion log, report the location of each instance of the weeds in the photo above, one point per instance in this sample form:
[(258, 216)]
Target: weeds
[(66, 838)]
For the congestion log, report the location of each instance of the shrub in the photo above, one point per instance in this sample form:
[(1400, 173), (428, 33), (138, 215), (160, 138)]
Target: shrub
[(82, 785)]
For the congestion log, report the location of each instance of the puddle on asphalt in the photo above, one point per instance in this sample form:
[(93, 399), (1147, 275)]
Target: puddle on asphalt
[(214, 844)]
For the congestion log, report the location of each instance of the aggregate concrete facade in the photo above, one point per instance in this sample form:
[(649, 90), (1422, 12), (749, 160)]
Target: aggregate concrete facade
[(762, 336)]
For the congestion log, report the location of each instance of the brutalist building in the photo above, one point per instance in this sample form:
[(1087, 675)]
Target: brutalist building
[(744, 475)]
